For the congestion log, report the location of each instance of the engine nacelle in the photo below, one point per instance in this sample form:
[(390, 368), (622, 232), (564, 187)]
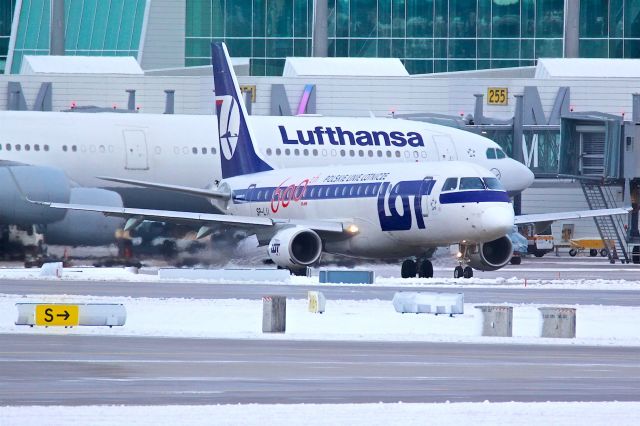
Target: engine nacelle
[(80, 228), (37, 183), (490, 256), (295, 248)]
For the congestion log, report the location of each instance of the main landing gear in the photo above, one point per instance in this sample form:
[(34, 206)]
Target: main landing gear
[(423, 268)]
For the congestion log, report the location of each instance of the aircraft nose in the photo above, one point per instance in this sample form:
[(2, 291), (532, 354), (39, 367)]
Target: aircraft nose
[(520, 178), (498, 220)]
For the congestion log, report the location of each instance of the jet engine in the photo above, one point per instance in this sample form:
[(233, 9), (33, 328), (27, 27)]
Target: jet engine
[(490, 256), (37, 183), (80, 228), (295, 248)]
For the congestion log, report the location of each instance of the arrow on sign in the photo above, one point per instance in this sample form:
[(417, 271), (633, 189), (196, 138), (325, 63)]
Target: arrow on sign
[(66, 315)]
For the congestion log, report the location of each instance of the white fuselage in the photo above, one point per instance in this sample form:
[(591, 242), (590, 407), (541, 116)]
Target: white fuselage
[(184, 150), (399, 210)]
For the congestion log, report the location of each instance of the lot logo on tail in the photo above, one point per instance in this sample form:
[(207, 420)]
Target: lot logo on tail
[(228, 124)]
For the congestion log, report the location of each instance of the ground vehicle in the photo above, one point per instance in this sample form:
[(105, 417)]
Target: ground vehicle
[(594, 245), (520, 246), (537, 244)]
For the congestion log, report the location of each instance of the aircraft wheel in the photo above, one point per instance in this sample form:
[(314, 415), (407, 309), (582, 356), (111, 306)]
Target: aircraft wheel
[(458, 272), (516, 260), (604, 252), (593, 252), (467, 272), (426, 269), (409, 269), (573, 252)]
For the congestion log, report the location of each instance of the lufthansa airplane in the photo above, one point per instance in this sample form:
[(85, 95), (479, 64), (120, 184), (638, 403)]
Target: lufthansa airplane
[(130, 147), (378, 210)]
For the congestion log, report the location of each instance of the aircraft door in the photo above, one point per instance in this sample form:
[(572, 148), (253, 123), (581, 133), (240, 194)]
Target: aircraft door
[(446, 148), (428, 203), (135, 145)]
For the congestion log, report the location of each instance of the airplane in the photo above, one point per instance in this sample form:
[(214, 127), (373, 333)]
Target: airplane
[(377, 210)]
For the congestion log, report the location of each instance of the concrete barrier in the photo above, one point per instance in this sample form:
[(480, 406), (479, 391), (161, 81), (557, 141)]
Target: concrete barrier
[(558, 322), (276, 275), (71, 314), (274, 314), (317, 302), (428, 303), (497, 320), (346, 277), (51, 269)]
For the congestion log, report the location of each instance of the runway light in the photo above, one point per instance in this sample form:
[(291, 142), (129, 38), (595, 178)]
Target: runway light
[(352, 229)]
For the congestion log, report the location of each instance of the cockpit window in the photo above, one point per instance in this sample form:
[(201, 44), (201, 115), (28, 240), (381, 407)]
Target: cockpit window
[(500, 153), (471, 183), (491, 153), (493, 183), (450, 184)]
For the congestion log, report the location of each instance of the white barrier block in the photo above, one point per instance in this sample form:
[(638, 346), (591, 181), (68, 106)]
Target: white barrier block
[(317, 302), (428, 303), (262, 275), (51, 269)]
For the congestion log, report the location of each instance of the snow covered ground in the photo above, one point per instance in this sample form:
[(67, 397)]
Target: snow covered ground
[(476, 414), (343, 320)]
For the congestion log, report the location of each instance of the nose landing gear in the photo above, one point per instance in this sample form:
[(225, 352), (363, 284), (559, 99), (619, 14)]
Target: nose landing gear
[(460, 271)]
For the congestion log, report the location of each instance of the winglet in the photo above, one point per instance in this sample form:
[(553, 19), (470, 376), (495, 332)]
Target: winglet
[(238, 155)]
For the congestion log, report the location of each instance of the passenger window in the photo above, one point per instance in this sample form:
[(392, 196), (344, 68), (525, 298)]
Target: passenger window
[(305, 152), (367, 190), (493, 183), (326, 194), (352, 191), (103, 149), (450, 184), (315, 153), (361, 153), (407, 154), (8, 147), (194, 150), (259, 195), (27, 147), (345, 190), (46, 147), (370, 153), (342, 153), (379, 153), (213, 151), (269, 152), (296, 152), (287, 151), (398, 154), (176, 150), (416, 154), (501, 153), (18, 147), (278, 151), (204, 150), (360, 190), (36, 147), (389, 154), (64, 148), (352, 153), (491, 153), (312, 193), (471, 183), (185, 150)]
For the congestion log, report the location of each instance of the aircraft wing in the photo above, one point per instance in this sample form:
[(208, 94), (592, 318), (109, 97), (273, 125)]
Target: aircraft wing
[(208, 193), (550, 217), (201, 219)]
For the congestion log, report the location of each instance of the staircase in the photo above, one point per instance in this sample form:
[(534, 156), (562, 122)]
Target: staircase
[(611, 228)]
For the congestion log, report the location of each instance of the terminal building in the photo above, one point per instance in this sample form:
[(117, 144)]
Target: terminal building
[(552, 82)]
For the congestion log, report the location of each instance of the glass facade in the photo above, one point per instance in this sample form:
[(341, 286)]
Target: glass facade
[(92, 27), (6, 17), (427, 35), (610, 28)]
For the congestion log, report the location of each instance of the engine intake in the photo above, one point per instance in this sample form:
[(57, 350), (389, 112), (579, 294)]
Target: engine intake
[(295, 248), (490, 256)]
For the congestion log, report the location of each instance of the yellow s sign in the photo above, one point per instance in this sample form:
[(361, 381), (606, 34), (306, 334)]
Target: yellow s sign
[(497, 96)]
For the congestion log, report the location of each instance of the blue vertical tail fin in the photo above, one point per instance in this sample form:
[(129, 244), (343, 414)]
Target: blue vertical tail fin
[(237, 152)]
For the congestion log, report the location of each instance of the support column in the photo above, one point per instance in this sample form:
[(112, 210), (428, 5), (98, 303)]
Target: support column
[(56, 41), (571, 28), (320, 29)]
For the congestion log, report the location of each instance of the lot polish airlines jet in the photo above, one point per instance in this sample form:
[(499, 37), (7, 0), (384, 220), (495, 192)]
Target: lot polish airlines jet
[(366, 211)]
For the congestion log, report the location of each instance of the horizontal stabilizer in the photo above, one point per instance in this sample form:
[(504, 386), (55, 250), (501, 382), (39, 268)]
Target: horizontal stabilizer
[(203, 192)]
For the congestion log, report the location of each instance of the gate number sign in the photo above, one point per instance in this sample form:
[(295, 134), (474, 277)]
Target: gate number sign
[(497, 96)]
